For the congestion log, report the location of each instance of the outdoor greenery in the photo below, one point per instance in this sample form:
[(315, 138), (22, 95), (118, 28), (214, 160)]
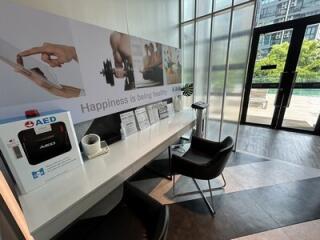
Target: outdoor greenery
[(308, 66)]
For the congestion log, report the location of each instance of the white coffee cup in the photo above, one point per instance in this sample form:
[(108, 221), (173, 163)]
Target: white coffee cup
[(91, 144)]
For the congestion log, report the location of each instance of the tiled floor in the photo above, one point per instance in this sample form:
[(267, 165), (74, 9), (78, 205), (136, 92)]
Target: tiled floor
[(239, 177), (298, 148), (246, 212), (263, 199), (302, 231)]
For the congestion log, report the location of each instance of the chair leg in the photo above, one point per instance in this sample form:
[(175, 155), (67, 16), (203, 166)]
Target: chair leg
[(210, 207), (173, 185), (170, 162), (209, 184), (224, 181), (205, 190)]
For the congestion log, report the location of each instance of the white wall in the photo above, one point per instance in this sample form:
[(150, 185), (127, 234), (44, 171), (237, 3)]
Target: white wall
[(155, 20)]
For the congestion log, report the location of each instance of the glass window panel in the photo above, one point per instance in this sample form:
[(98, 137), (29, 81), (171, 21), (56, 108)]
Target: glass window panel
[(202, 59), (187, 59), (271, 57), (203, 7), (239, 1), (221, 4), (240, 39), (187, 53), (188, 9), (220, 31), (274, 11), (308, 68)]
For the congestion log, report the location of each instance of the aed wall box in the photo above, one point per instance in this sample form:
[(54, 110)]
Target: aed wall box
[(49, 144), (39, 149)]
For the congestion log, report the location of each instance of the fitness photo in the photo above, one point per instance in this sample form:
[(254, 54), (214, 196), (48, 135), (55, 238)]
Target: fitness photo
[(147, 62), (137, 61), (172, 65), (122, 59)]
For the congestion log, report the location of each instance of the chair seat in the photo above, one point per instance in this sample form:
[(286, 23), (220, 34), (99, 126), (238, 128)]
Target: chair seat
[(204, 160), (197, 157)]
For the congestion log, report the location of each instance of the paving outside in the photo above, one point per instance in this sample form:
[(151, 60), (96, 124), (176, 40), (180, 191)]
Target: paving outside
[(302, 113)]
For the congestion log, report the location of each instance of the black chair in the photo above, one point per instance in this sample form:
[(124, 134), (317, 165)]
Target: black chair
[(136, 217), (204, 160)]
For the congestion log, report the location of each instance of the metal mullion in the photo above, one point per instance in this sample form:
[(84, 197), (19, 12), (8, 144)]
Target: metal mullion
[(265, 85), (180, 25), (226, 71), (209, 70), (307, 85), (194, 47), (317, 127)]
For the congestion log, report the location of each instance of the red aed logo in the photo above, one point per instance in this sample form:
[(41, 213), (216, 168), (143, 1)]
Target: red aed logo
[(29, 124)]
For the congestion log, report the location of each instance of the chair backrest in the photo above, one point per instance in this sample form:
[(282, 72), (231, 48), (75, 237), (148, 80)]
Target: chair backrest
[(221, 158)]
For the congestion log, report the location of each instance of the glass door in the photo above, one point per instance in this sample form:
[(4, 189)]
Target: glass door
[(269, 65), (283, 81), (303, 110)]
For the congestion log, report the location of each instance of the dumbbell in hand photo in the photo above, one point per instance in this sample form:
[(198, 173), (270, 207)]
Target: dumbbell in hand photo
[(127, 71)]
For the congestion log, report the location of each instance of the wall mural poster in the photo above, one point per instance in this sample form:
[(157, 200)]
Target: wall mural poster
[(50, 62)]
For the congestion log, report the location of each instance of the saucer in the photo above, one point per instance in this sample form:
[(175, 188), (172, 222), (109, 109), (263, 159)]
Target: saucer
[(103, 150)]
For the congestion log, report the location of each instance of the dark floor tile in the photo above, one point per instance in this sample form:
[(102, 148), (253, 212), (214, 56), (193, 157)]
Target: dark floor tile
[(292, 202), (247, 212), (298, 148)]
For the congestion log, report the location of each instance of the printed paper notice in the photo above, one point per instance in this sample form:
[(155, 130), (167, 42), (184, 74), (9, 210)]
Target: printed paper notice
[(163, 110), (153, 113), (142, 118), (128, 123)]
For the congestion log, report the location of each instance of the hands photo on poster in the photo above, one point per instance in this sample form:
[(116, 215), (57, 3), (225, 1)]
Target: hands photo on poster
[(42, 65), (147, 63), (172, 65)]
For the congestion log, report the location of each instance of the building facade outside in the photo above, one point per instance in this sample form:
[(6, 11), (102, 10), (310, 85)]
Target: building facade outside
[(275, 11)]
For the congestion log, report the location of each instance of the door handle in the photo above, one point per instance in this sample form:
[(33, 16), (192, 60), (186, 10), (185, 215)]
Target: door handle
[(280, 93), (291, 88), (279, 96), (283, 98)]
